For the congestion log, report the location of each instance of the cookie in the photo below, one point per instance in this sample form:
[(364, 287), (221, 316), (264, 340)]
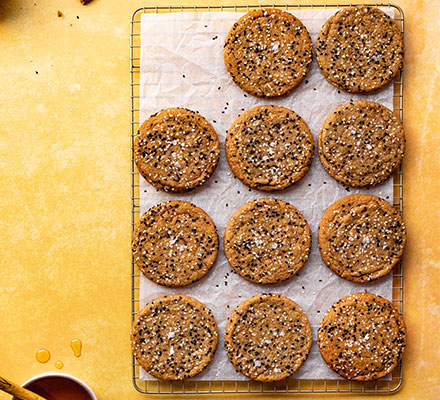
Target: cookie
[(267, 241), (175, 243), (268, 337), (362, 337), (269, 148), (176, 150), (361, 237), (360, 49), (361, 143), (174, 337), (268, 52)]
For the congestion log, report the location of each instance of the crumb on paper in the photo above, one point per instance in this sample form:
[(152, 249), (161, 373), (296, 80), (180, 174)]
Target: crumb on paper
[(84, 2), (59, 13)]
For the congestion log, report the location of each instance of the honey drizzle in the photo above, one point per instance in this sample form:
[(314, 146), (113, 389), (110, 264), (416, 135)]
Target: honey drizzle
[(76, 346), (42, 356)]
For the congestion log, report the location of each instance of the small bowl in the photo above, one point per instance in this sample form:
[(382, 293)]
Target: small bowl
[(57, 378)]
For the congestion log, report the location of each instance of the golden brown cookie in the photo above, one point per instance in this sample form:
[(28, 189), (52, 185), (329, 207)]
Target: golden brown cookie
[(361, 237), (269, 148), (360, 49), (362, 337), (175, 243), (361, 143), (174, 337), (267, 241), (176, 150), (268, 52), (268, 337)]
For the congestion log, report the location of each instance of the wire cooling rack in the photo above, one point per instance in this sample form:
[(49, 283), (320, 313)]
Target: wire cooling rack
[(287, 385)]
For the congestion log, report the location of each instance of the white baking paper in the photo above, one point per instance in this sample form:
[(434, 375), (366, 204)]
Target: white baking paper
[(182, 66)]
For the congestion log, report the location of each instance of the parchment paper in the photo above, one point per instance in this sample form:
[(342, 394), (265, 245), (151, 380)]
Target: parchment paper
[(182, 66)]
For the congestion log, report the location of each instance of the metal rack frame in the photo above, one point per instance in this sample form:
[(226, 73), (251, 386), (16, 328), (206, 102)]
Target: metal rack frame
[(289, 385)]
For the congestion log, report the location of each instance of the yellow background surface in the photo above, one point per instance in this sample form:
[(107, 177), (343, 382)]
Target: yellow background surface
[(65, 192)]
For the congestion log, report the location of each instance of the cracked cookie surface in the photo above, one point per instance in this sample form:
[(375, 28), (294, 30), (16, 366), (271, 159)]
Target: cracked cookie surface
[(268, 52), (268, 337), (361, 143), (176, 150), (360, 49), (269, 148), (174, 337), (267, 241), (362, 337), (361, 237), (175, 243)]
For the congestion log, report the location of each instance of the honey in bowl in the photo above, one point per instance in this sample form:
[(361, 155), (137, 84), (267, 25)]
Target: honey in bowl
[(53, 387)]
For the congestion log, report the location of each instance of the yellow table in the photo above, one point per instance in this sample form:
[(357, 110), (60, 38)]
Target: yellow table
[(65, 192)]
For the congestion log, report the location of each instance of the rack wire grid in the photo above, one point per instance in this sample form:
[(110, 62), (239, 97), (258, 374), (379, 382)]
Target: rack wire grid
[(288, 385)]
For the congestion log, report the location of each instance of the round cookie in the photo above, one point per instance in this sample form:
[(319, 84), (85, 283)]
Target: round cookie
[(362, 337), (268, 52), (361, 237), (267, 241), (361, 143), (175, 243), (268, 337), (360, 49), (269, 148), (174, 337), (176, 150)]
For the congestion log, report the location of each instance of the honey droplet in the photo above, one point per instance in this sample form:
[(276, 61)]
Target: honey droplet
[(76, 346), (42, 356), (59, 364)]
